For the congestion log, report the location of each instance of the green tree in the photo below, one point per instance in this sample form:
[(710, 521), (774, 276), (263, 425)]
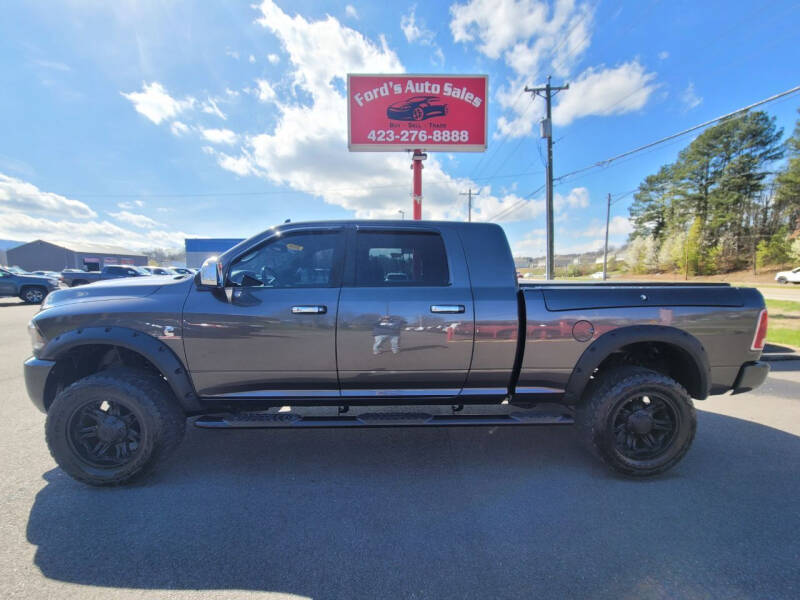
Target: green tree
[(717, 188), (787, 196), (777, 250)]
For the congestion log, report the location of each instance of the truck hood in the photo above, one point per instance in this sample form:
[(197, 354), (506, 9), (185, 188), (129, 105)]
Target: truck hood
[(125, 287)]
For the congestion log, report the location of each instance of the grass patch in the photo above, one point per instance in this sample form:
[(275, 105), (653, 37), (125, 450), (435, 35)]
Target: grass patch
[(789, 305), (783, 336)]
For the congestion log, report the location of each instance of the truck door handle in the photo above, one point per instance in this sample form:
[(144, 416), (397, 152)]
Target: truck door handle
[(447, 308), (314, 309)]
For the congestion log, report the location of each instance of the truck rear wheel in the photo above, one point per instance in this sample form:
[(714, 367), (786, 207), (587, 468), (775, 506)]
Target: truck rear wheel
[(114, 426), (638, 421)]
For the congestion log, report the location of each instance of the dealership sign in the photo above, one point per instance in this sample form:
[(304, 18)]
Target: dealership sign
[(407, 112)]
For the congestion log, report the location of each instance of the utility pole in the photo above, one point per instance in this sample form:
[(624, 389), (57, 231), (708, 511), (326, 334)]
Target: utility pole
[(547, 92), (605, 248), (469, 205)]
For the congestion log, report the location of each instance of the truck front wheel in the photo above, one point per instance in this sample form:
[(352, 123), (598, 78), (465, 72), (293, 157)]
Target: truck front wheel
[(638, 421), (114, 426)]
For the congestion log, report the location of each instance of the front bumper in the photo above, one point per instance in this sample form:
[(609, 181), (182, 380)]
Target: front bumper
[(36, 373), (751, 375)]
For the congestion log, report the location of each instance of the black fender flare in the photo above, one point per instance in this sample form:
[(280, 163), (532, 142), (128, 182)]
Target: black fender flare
[(153, 349), (614, 340)]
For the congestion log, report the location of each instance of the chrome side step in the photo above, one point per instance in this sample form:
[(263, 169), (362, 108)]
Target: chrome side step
[(378, 419)]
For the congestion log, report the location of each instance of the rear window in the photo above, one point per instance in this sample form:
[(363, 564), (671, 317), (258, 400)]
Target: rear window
[(400, 259)]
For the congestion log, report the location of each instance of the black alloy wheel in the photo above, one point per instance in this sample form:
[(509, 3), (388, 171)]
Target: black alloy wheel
[(638, 421), (644, 426), (104, 434), (114, 426)]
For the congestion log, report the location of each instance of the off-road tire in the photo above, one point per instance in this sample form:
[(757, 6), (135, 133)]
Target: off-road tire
[(149, 398), (782, 280), (28, 294), (595, 418)]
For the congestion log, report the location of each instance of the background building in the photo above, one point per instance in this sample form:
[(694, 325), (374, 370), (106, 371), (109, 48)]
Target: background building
[(56, 256), (199, 249)]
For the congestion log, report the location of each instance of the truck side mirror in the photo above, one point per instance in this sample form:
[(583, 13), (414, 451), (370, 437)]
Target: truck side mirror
[(211, 272)]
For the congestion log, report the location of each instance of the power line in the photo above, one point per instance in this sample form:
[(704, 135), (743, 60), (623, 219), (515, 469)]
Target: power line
[(604, 163), (608, 161)]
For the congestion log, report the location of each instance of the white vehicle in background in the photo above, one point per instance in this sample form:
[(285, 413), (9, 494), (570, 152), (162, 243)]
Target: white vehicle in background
[(792, 276)]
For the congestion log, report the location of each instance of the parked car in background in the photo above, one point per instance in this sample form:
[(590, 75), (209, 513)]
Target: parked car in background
[(50, 274), (73, 277), (792, 276), (181, 270), (156, 270), (29, 288)]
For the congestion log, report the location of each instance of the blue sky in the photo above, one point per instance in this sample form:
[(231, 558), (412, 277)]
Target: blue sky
[(141, 123)]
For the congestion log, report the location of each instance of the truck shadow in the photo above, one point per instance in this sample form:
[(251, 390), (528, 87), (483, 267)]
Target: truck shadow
[(467, 513)]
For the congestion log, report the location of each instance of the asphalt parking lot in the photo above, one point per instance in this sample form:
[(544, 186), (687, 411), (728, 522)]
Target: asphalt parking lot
[(408, 513)]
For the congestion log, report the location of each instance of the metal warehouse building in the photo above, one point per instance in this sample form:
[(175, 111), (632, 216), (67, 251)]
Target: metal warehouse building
[(56, 256), (199, 249)]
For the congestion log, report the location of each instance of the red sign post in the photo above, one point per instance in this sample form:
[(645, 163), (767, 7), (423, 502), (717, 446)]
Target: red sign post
[(390, 113)]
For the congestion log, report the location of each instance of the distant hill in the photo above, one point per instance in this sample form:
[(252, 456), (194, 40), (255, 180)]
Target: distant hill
[(6, 244), (562, 260)]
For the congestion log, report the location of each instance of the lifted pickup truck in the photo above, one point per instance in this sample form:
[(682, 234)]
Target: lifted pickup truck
[(339, 316), (73, 278)]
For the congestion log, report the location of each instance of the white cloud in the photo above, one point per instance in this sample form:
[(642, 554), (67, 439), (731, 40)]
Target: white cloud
[(690, 98), (156, 104), (576, 199), (210, 107), (26, 213), (129, 204), (351, 11), (16, 194), (273, 58), (617, 226), (241, 165), (178, 128), (663, 55), (137, 220), (536, 38), (265, 92), (251, 59), (414, 31), (528, 33), (219, 136), (232, 53), (417, 33), (613, 91)]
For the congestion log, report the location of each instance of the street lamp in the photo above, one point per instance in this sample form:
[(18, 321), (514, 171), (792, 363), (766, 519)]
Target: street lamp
[(402, 214)]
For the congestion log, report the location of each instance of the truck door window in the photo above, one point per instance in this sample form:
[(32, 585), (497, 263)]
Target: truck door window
[(400, 259), (294, 260)]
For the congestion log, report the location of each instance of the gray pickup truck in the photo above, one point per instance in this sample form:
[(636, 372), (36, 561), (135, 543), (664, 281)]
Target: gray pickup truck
[(308, 324), (73, 278)]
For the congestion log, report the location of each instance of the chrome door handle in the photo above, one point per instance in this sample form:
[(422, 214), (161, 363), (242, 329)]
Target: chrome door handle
[(315, 309), (447, 308)]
